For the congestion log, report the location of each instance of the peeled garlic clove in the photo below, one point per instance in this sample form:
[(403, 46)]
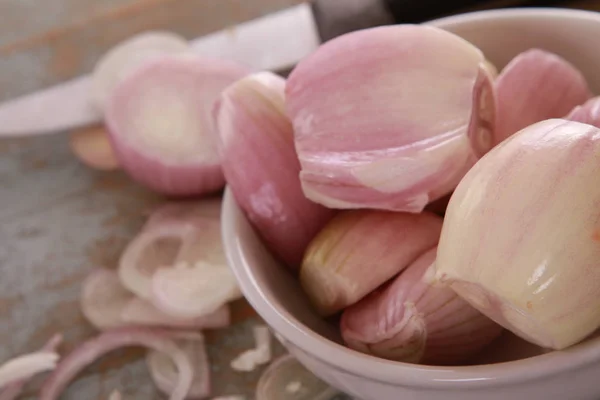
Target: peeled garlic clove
[(262, 168), (92, 147), (390, 117), (361, 249), (160, 123), (520, 237), (536, 85), (587, 113), (409, 320)]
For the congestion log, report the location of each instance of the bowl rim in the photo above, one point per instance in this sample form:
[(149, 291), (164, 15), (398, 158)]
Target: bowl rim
[(393, 372)]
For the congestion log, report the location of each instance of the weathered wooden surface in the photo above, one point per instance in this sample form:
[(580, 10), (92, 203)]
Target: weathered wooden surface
[(57, 218)]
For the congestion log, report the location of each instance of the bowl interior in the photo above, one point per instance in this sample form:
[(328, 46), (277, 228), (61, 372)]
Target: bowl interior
[(276, 294)]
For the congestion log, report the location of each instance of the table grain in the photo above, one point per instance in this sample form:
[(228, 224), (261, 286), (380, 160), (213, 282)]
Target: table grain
[(58, 219)]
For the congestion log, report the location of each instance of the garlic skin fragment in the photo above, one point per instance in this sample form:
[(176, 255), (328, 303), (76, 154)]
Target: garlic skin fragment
[(536, 85), (412, 321), (521, 235), (390, 117), (361, 249), (261, 166)]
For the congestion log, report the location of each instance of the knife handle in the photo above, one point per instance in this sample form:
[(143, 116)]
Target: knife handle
[(337, 17)]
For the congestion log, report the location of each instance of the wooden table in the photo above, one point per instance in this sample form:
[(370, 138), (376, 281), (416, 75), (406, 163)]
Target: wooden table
[(59, 219)]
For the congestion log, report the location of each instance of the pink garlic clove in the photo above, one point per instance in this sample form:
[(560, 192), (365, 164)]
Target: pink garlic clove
[(536, 85), (262, 168), (587, 113), (160, 123), (411, 321), (361, 249), (390, 117), (521, 233)]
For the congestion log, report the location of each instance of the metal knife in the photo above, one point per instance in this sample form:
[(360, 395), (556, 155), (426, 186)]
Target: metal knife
[(274, 42)]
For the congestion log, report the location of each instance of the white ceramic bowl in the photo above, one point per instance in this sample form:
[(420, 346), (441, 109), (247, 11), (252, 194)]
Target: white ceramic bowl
[(511, 369)]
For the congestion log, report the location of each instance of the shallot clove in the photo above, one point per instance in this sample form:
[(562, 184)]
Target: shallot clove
[(536, 85), (160, 123), (164, 372), (262, 168), (521, 232), (411, 321), (587, 113), (92, 147), (125, 57), (361, 249), (287, 379), (96, 347), (193, 290), (390, 117)]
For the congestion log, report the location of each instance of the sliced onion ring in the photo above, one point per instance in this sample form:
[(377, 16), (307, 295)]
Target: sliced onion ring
[(164, 372), (190, 292), (108, 341), (287, 379), (26, 366), (14, 389), (103, 299), (141, 312)]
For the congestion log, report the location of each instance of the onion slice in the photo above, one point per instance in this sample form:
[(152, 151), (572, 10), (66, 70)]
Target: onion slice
[(108, 341), (164, 372), (192, 291), (26, 366), (161, 127), (14, 389), (287, 379), (103, 299), (141, 312), (128, 55), (176, 232)]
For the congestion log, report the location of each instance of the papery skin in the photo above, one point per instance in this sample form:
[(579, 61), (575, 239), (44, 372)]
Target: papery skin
[(521, 235), (587, 113), (536, 85), (361, 249), (390, 117), (261, 166), (410, 320), (160, 124)]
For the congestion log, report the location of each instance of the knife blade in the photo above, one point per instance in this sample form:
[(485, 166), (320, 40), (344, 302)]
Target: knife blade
[(273, 42)]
